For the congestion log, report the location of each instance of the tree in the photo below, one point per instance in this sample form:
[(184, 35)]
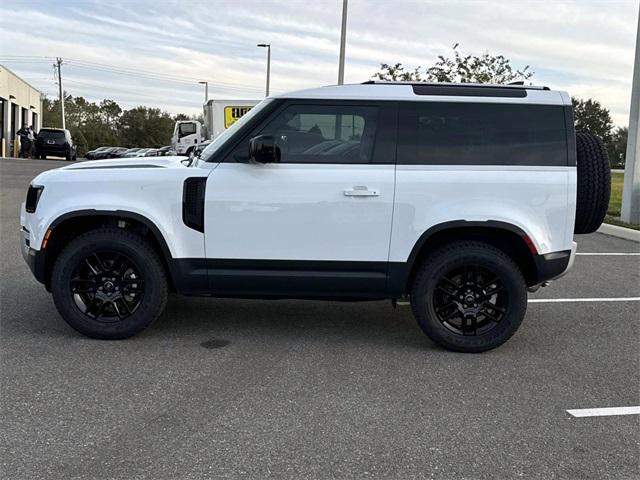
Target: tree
[(105, 123), (143, 126), (459, 68), (590, 116), (617, 147)]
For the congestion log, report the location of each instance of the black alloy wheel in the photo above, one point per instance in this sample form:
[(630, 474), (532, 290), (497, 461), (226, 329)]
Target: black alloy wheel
[(469, 296), (109, 283), (470, 300), (107, 286)]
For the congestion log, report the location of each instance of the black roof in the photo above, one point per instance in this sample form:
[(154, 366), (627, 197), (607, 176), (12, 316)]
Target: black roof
[(513, 90), (519, 84)]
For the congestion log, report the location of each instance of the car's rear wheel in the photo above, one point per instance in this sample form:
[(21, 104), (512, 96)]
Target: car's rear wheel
[(109, 284), (469, 297)]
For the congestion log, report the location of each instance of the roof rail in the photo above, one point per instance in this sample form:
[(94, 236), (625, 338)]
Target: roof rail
[(514, 85)]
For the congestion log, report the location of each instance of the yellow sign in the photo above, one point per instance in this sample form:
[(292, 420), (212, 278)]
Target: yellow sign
[(233, 114)]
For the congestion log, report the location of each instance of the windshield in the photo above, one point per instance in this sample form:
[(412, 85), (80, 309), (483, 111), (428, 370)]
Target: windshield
[(209, 152)]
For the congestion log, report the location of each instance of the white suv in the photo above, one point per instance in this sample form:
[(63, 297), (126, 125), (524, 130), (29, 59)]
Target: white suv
[(457, 197)]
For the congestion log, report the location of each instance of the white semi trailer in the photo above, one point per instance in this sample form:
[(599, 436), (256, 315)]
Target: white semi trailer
[(218, 116)]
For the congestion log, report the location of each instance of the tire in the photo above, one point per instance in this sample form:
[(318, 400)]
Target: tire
[(504, 300), (594, 183), (137, 277)]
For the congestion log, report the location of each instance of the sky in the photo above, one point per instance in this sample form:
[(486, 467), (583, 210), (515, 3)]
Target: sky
[(154, 52)]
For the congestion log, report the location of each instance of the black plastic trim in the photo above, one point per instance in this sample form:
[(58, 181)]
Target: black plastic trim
[(193, 195), (551, 265), (399, 272), (570, 128), (36, 261), (469, 91), (33, 197)]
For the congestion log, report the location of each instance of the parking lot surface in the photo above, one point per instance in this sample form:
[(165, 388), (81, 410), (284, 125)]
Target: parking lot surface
[(222, 388)]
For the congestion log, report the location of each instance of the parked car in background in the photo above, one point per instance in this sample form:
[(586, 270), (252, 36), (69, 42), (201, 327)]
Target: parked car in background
[(141, 152), (117, 152), (91, 154), (166, 151), (132, 152), (55, 142), (151, 152), (102, 154)]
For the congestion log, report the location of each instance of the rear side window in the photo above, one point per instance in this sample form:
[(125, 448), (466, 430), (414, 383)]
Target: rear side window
[(447, 133)]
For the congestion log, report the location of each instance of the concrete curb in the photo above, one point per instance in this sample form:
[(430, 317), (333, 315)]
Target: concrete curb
[(620, 232)]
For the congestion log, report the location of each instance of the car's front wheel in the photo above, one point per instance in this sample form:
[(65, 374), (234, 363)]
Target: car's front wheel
[(469, 297), (109, 284)]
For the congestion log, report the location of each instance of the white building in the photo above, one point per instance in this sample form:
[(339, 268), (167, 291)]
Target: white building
[(20, 104)]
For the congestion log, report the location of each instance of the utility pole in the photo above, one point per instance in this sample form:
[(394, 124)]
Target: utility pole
[(60, 91), (630, 211), (343, 41), (268, 47)]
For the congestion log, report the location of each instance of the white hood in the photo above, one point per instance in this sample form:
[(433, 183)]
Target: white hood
[(135, 162)]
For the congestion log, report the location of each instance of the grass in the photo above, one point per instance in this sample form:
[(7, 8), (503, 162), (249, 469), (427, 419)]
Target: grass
[(615, 202)]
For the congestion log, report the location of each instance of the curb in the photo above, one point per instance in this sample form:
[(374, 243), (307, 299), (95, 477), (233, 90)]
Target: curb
[(620, 232)]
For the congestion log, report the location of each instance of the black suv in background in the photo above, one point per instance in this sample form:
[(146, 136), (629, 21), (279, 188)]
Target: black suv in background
[(55, 142)]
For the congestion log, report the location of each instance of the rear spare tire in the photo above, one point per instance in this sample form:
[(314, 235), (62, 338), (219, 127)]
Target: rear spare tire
[(594, 183)]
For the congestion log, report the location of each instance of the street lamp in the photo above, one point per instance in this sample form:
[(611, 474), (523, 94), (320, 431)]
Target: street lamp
[(343, 41), (206, 90), (268, 47)]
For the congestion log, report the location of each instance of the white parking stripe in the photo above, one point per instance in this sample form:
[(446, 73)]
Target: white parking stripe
[(612, 254), (560, 300), (604, 412)]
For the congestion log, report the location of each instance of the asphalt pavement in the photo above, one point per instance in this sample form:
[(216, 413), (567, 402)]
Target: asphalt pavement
[(222, 388)]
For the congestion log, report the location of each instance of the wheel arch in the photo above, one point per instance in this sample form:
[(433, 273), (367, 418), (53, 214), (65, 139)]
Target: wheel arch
[(71, 224), (507, 237)]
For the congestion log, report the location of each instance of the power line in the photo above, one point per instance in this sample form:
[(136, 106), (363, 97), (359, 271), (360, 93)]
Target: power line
[(148, 74)]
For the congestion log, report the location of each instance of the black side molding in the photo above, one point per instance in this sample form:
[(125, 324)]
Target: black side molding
[(193, 202)]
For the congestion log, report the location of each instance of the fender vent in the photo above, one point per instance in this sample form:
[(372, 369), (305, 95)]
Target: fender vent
[(33, 197), (193, 203)]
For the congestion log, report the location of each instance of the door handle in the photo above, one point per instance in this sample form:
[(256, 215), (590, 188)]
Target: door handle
[(361, 191)]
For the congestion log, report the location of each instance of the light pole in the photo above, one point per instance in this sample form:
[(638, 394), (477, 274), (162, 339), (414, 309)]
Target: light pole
[(343, 41), (630, 211), (268, 47), (206, 91)]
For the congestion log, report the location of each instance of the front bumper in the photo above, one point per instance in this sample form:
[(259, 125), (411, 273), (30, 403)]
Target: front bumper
[(33, 257)]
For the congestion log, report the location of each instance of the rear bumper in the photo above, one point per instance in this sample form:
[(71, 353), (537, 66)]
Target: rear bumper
[(554, 265)]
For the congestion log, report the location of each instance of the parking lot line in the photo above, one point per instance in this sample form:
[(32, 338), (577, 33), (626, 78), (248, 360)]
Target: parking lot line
[(560, 300), (609, 254), (604, 412)]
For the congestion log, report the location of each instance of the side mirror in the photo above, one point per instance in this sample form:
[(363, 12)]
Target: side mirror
[(263, 149)]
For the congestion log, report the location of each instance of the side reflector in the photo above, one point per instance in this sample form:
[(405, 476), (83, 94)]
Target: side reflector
[(45, 239), (530, 244)]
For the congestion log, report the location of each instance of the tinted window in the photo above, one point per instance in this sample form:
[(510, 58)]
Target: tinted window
[(442, 133), (324, 133)]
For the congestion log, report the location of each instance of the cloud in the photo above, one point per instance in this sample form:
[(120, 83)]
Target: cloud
[(585, 47)]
